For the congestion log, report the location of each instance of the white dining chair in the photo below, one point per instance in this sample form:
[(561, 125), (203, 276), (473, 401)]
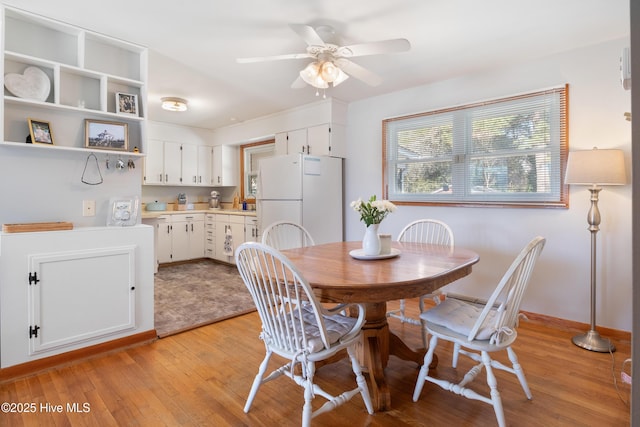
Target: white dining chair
[(298, 328), (479, 330), (429, 231), (284, 235)]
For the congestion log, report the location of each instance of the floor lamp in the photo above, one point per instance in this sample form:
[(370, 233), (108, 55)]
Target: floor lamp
[(595, 168)]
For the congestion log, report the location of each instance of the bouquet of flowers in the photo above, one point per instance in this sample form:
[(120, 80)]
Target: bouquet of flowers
[(373, 211)]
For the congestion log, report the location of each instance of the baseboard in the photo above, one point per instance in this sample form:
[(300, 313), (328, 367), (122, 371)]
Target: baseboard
[(577, 327), (29, 368)]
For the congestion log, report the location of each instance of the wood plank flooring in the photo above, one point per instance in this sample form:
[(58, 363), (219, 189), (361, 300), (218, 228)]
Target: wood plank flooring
[(202, 378)]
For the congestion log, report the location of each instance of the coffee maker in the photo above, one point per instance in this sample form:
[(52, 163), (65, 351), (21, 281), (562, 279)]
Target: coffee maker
[(214, 201)]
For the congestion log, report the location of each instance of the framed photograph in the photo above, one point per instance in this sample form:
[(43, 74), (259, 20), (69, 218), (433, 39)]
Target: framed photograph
[(106, 135), (40, 132), (123, 211), (126, 103)]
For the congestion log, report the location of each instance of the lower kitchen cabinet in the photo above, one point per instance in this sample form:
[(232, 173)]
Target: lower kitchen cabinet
[(65, 290), (229, 235), (210, 236), (187, 239), (251, 229)]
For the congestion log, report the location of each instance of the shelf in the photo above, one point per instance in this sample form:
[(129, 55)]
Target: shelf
[(50, 105), (24, 145)]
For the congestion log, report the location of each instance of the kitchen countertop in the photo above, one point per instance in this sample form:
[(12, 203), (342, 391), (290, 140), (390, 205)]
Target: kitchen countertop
[(155, 214)]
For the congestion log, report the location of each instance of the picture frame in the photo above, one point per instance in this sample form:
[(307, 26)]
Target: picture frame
[(123, 211), (106, 135), (127, 103), (40, 132)]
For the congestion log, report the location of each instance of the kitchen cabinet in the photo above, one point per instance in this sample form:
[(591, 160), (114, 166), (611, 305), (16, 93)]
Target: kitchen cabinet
[(65, 290), (229, 234), (293, 141), (321, 140), (326, 140), (251, 229), (189, 164), (83, 70), (210, 236), (205, 166), (225, 165), (163, 163), (187, 236)]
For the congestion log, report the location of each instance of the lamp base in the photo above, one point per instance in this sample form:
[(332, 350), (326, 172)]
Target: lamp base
[(594, 342)]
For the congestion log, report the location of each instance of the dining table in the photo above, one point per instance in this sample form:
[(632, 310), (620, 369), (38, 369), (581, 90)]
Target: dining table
[(340, 273)]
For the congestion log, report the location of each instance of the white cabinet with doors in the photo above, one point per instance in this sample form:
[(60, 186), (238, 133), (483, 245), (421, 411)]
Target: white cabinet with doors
[(321, 140), (326, 140), (251, 229), (163, 163), (289, 142), (65, 290), (229, 234), (205, 166), (187, 236), (225, 165)]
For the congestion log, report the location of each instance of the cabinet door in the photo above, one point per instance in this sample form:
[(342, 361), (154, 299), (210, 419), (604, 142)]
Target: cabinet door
[(196, 239), (189, 164), (225, 165), (281, 144), (172, 163), (297, 141), (163, 244), (205, 163), (68, 308), (222, 226), (180, 241), (326, 140), (237, 235), (251, 230), (154, 162)]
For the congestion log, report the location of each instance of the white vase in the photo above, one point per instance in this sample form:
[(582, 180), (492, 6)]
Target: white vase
[(371, 241)]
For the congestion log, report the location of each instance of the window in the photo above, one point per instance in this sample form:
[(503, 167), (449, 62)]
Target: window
[(510, 151), (250, 155)]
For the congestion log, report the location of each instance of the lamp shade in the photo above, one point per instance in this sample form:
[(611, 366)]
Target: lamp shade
[(596, 167)]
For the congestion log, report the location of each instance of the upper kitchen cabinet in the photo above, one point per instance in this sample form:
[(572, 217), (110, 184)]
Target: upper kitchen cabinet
[(173, 163), (293, 141), (225, 166), (322, 140), (61, 74)]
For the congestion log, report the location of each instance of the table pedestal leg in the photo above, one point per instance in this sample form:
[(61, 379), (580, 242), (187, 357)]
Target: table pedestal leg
[(376, 345)]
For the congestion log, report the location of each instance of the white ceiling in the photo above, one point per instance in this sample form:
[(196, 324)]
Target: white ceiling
[(193, 44)]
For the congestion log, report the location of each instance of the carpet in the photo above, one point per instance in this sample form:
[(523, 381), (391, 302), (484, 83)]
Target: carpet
[(191, 295)]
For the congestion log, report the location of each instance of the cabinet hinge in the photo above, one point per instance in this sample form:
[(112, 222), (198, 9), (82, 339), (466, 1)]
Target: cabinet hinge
[(33, 278), (33, 331)]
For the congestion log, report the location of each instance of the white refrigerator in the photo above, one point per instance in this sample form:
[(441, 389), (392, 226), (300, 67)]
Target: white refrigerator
[(302, 189)]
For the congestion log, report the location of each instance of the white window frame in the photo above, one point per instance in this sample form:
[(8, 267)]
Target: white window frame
[(555, 194)]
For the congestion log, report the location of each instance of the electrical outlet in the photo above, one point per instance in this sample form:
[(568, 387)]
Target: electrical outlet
[(88, 208)]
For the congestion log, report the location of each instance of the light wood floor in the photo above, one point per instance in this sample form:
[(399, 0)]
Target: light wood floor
[(202, 378)]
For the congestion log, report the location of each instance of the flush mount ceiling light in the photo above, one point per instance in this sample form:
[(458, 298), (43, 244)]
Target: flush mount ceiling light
[(174, 104), (332, 62)]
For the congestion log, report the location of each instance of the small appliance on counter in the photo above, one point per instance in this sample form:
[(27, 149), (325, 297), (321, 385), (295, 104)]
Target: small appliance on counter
[(156, 206), (214, 201), (182, 202)]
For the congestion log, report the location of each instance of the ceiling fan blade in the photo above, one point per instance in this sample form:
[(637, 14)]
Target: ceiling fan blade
[(298, 83), (273, 58), (308, 34), (359, 72), (374, 48)]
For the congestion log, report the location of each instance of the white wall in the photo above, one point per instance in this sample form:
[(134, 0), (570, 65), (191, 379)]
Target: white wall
[(560, 284)]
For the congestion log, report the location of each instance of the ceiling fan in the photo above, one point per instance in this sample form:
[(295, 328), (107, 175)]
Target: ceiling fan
[(331, 63)]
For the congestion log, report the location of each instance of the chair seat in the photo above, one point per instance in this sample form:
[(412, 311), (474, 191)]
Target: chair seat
[(460, 317), (336, 326)]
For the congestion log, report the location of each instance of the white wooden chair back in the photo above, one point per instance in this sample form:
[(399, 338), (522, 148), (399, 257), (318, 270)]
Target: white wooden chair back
[(507, 296), (284, 235), (427, 231)]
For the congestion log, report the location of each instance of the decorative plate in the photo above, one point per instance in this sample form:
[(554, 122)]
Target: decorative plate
[(33, 83), (359, 254)]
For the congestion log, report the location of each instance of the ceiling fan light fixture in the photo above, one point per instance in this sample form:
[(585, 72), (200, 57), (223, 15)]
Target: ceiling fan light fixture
[(174, 104), (329, 71), (312, 76)]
